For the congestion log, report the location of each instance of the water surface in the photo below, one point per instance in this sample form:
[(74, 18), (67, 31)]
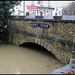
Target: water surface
[(24, 60)]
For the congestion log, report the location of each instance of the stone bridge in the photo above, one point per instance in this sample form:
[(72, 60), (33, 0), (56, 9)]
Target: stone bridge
[(56, 35)]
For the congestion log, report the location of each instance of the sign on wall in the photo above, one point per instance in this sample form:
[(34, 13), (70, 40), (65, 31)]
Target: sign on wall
[(32, 7), (40, 25)]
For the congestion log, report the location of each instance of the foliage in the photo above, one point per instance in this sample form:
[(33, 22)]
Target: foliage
[(74, 42), (6, 8), (69, 9)]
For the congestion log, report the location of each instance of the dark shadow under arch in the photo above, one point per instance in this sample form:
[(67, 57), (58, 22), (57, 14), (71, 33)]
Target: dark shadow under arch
[(37, 47)]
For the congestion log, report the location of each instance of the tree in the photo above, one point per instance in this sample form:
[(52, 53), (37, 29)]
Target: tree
[(5, 12), (70, 9)]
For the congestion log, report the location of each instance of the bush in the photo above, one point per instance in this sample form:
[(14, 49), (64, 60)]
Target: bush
[(5, 12)]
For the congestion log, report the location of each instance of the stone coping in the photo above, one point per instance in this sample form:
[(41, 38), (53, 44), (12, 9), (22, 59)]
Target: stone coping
[(45, 18)]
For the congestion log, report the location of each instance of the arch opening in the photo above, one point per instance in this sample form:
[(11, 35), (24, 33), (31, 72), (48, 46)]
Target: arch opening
[(38, 48), (41, 55)]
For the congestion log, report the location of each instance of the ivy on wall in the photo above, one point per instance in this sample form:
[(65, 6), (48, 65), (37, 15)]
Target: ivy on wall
[(6, 8)]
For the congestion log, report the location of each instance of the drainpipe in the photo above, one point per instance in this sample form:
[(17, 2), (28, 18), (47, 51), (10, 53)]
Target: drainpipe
[(24, 7), (41, 3), (48, 4)]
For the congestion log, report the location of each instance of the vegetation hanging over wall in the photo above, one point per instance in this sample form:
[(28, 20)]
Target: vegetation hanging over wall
[(6, 8)]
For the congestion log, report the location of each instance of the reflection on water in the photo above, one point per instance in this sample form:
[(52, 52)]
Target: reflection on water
[(24, 60)]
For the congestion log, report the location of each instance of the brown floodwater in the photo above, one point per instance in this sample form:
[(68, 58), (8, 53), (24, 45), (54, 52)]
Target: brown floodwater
[(28, 59)]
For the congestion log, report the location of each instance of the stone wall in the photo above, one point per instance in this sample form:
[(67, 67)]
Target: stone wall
[(58, 39)]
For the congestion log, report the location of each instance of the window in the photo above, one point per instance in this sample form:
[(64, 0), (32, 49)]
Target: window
[(16, 7)]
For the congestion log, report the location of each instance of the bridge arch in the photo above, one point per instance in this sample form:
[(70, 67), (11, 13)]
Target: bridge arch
[(36, 45), (47, 44), (32, 45)]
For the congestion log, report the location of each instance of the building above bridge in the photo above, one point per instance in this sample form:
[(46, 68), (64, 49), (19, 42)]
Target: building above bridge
[(23, 8)]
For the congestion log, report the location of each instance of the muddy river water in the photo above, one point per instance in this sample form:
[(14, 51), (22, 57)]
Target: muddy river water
[(24, 60)]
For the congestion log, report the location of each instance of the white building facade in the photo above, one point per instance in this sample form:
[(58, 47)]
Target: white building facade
[(38, 10)]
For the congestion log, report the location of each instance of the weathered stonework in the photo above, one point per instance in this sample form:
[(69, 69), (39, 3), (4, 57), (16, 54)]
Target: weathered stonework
[(58, 39)]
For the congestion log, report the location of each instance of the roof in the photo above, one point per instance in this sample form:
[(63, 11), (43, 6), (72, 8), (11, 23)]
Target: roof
[(68, 17)]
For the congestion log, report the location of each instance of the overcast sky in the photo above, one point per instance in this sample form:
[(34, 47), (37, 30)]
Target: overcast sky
[(52, 3)]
